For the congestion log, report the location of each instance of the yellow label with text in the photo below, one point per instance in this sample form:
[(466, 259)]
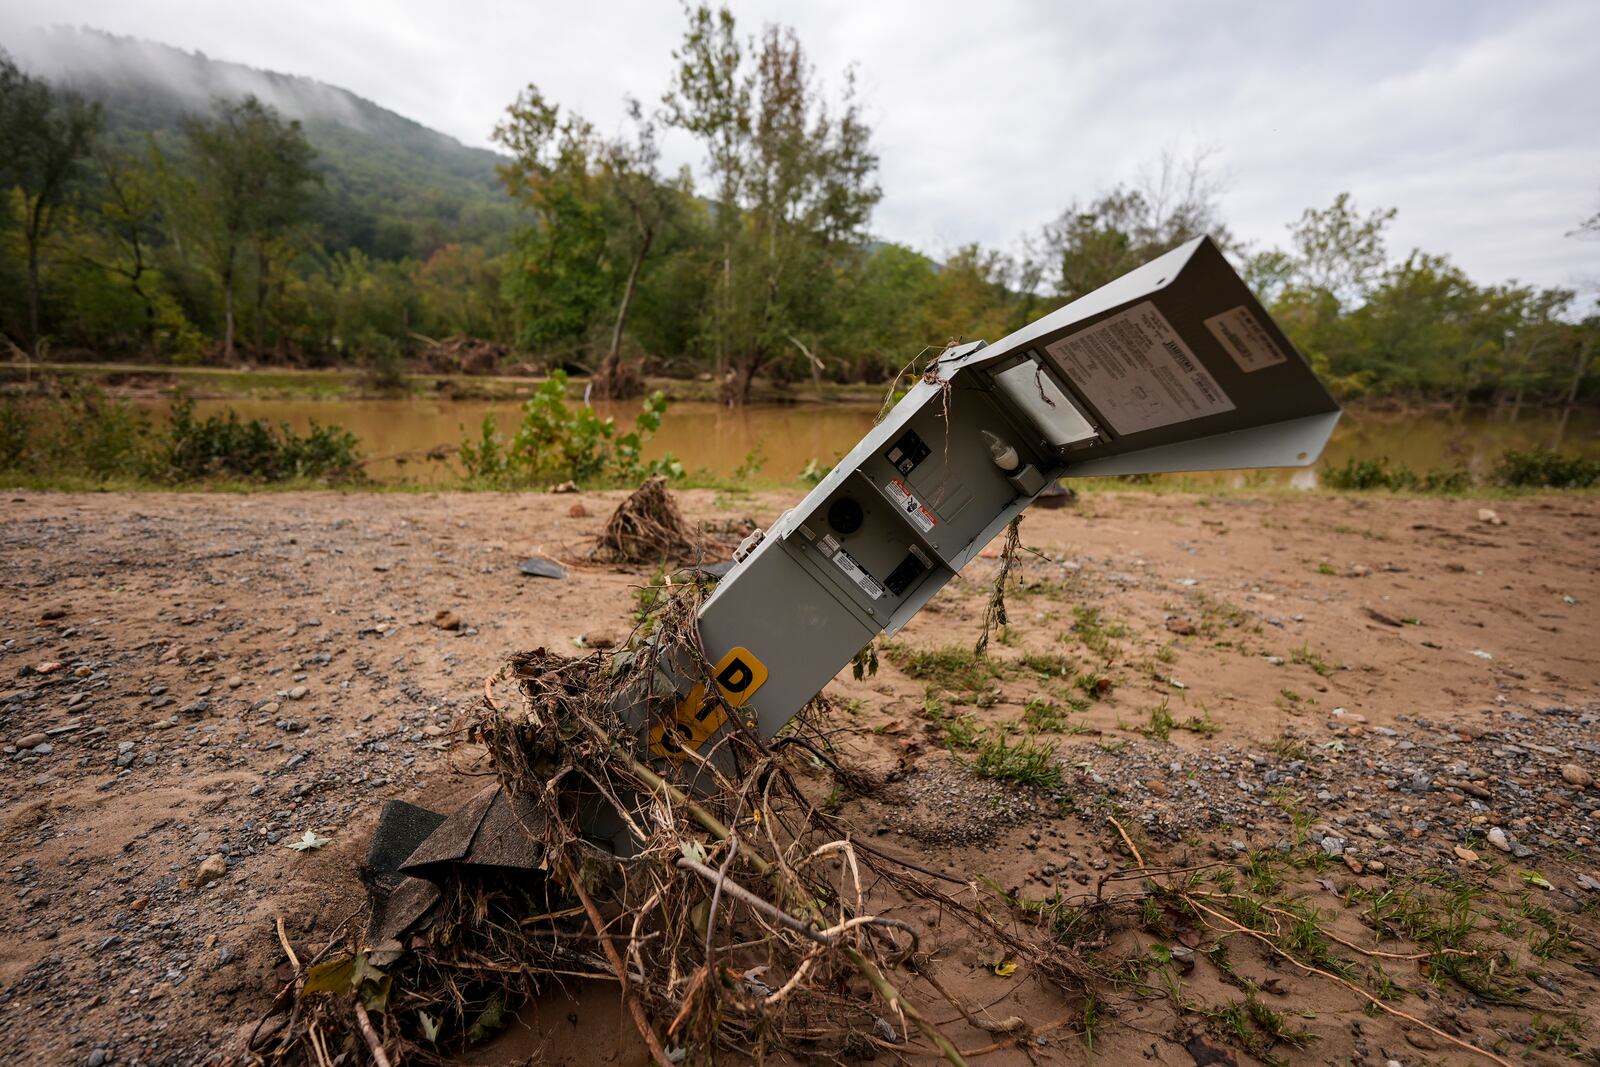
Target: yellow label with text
[(738, 675)]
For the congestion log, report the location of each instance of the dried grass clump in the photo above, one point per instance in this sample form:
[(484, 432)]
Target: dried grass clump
[(646, 528)]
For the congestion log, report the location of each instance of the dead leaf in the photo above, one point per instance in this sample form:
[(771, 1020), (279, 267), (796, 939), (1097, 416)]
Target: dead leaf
[(330, 976), (309, 842)]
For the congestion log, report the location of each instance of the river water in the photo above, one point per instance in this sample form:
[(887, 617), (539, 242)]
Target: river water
[(780, 440)]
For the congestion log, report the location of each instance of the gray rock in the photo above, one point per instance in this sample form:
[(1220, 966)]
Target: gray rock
[(542, 568), (97, 1058), (211, 869)]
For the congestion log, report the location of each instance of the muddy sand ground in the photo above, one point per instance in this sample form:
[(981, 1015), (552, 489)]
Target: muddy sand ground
[(1386, 710)]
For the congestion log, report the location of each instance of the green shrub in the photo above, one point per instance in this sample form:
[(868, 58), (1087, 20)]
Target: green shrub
[(383, 362), (254, 450), (556, 442), (1381, 473), (81, 432), (814, 472), (14, 424), (1365, 474), (486, 460), (1455, 480), (1545, 468), (74, 429)]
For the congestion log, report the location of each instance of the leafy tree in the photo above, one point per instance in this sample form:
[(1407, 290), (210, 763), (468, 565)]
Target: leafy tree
[(251, 170), (1092, 244), (886, 312), (980, 294), (1335, 258), (1338, 250), (710, 99), (460, 286), (363, 310), (47, 135), (558, 278), (634, 182), (126, 219), (796, 177), (1421, 328)]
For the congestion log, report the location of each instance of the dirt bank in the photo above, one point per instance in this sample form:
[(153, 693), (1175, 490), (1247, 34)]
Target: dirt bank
[(1393, 684)]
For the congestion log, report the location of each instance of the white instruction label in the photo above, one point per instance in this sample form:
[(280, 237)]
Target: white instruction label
[(913, 508), (1244, 338), (847, 563), (1136, 369)]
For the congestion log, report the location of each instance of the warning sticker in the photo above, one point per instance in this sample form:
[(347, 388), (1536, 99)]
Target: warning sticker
[(847, 563), (913, 508), (1244, 338), (1136, 369)]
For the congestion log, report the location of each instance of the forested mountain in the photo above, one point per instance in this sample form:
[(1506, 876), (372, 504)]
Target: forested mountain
[(392, 188)]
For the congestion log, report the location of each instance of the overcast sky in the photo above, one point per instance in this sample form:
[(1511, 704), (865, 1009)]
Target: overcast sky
[(1478, 121)]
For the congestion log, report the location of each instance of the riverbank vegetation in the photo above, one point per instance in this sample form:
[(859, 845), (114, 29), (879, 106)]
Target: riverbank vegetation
[(68, 433), (150, 228), (78, 435)]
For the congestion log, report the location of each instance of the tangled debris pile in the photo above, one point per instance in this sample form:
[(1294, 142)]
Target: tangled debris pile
[(647, 528), (464, 355), (745, 920)]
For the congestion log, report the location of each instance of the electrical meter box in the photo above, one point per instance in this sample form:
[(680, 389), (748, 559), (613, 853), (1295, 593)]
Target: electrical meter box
[(1175, 366)]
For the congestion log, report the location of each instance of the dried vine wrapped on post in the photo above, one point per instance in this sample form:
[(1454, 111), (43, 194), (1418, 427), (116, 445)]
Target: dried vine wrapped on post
[(994, 613)]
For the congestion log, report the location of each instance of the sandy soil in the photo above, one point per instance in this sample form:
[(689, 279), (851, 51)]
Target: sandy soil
[(216, 675)]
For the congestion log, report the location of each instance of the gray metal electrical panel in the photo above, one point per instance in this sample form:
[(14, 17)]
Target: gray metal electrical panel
[(1175, 366)]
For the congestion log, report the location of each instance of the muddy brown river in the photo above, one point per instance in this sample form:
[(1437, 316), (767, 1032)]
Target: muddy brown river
[(774, 443)]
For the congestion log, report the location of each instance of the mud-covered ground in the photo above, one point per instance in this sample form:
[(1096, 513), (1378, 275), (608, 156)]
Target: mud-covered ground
[(1379, 717)]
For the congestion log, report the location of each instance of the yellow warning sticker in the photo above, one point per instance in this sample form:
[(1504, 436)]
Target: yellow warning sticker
[(698, 717)]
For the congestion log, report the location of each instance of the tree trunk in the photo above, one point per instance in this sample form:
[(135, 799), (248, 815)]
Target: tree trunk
[(1578, 369), (148, 330), (227, 311), (736, 389), (614, 381), (816, 364), (726, 317), (34, 221), (262, 267), (279, 350)]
